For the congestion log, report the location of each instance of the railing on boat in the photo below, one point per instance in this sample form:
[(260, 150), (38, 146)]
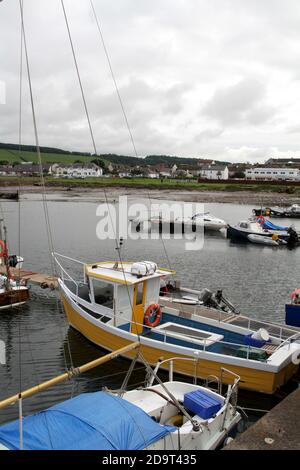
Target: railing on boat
[(64, 275), (288, 341), (207, 342), (232, 389)]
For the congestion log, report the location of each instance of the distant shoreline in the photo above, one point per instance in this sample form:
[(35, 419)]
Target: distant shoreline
[(101, 193)]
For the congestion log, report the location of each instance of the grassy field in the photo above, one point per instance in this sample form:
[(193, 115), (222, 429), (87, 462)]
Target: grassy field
[(150, 183), (13, 156)]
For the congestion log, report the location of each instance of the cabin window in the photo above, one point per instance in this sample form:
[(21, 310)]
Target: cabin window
[(103, 293)]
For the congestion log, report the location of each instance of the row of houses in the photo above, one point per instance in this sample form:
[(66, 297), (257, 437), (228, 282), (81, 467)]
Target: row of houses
[(80, 170), (210, 171), (76, 170)]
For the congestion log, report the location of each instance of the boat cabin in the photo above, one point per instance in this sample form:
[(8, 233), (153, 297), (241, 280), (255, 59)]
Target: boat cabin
[(124, 290)]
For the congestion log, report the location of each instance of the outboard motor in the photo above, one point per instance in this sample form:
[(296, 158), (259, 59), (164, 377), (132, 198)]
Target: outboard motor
[(205, 296), (13, 261), (293, 237)]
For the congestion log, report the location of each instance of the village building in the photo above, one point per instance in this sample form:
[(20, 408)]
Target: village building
[(214, 172), (256, 173)]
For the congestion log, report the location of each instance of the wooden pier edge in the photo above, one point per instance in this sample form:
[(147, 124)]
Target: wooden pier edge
[(43, 280)]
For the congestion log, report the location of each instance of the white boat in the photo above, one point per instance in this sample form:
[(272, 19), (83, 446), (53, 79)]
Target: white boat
[(170, 415), (244, 228), (262, 240), (202, 221)]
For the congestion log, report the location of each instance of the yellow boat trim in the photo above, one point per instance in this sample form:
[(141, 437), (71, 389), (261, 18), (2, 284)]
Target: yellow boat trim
[(251, 379)]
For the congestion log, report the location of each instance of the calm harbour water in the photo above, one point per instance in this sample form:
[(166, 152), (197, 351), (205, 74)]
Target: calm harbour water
[(258, 279)]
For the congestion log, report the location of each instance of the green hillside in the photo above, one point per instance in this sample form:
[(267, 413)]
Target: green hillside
[(12, 156)]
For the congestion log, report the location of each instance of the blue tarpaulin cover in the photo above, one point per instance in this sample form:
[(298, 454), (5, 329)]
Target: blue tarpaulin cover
[(91, 421), (268, 225)]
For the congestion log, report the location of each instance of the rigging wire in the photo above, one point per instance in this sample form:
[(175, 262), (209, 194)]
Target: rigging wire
[(44, 195), (79, 77), (120, 100), (113, 78), (95, 148)]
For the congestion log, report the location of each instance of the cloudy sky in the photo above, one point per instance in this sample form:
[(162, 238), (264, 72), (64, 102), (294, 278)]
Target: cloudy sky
[(212, 78)]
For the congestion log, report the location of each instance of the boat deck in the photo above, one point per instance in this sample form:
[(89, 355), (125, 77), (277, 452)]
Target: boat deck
[(187, 311), (274, 330)]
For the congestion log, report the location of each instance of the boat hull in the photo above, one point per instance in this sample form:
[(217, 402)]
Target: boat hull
[(242, 236), (13, 298), (251, 378)]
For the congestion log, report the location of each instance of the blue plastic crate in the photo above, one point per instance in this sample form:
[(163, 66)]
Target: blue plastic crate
[(255, 343), (202, 403)]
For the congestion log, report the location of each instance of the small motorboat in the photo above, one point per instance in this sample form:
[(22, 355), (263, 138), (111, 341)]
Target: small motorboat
[(291, 212), (261, 240), (169, 415), (292, 309), (244, 228), (202, 221)]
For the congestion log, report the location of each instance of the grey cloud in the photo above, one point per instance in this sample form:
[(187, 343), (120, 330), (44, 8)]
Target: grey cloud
[(240, 103), (168, 57)]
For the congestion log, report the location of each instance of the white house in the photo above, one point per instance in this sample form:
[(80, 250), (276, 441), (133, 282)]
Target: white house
[(153, 175), (214, 172), (272, 174), (77, 170)]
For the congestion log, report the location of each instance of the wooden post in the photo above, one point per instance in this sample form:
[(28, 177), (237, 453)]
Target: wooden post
[(68, 375)]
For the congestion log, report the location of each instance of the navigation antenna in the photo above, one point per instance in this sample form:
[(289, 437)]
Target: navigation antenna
[(119, 245)]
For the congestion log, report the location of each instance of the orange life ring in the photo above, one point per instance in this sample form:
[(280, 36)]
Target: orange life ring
[(260, 219), (153, 311), (2, 249)]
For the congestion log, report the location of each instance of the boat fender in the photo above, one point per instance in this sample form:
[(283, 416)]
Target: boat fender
[(152, 315), (176, 420), (2, 249)]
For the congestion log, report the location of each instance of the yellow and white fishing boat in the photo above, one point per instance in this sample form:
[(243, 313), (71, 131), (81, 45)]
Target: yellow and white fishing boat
[(117, 303)]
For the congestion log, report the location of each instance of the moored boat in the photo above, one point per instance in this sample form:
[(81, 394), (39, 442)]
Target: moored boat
[(292, 212), (12, 293), (263, 228), (169, 415), (204, 221), (117, 303), (261, 240), (244, 228)]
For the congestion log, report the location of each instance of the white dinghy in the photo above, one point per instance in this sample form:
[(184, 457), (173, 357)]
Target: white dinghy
[(168, 416)]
